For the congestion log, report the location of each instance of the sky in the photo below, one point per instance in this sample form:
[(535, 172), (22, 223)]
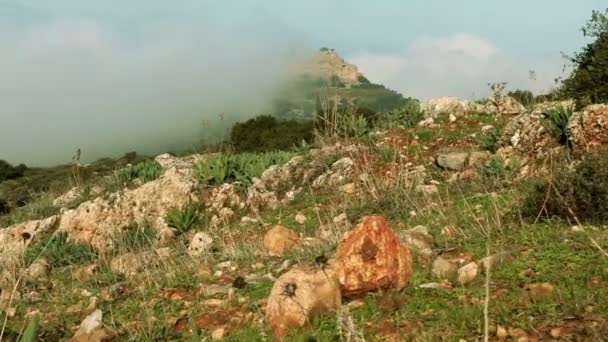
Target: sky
[(112, 76)]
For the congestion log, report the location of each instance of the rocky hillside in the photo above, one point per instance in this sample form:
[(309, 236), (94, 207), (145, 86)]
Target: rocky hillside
[(328, 65), (457, 225)]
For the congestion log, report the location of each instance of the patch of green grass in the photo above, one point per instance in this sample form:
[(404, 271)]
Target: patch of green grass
[(426, 134), (146, 171), (387, 153), (243, 167), (136, 237), (490, 141), (59, 251)]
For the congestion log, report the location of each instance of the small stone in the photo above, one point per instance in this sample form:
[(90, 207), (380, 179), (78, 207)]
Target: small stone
[(214, 303), (487, 128), (539, 290), (225, 265), (444, 269), (340, 219), (300, 218), (452, 118), (348, 188), (578, 229), (427, 189), (38, 269), (279, 239), (501, 332), (218, 334), (214, 290), (247, 219), (166, 235), (467, 273), (201, 242)]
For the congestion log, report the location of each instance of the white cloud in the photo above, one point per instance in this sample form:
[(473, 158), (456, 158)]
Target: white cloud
[(460, 64)]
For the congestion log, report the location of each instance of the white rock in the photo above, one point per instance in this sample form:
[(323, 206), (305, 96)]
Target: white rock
[(300, 218), (90, 323), (201, 242), (467, 273)]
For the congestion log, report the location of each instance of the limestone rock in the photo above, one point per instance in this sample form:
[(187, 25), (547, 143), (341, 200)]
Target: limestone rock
[(444, 269), (467, 273), (371, 257), (528, 134), (450, 105), (503, 104), (339, 171), (298, 295), (454, 161), (279, 239), (300, 218), (38, 269), (14, 239), (201, 242), (588, 129), (97, 222), (327, 64)]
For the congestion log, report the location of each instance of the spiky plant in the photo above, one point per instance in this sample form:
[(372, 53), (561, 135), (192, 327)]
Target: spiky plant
[(557, 121), (182, 219)]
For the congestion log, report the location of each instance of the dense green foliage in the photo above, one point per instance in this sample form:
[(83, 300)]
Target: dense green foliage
[(58, 251), (243, 167), (267, 133), (588, 82), (146, 170), (582, 193), (7, 171), (490, 141)]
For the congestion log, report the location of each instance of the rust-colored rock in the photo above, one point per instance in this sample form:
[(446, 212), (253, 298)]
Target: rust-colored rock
[(371, 257), (279, 239), (300, 294)]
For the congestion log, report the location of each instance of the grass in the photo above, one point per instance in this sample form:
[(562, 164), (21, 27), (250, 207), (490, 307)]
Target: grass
[(146, 171), (483, 212), (59, 251)]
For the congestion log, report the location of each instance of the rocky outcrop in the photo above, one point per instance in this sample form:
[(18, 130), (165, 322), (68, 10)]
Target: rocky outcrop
[(448, 105), (371, 257), (328, 63), (300, 294), (527, 134), (503, 105), (96, 222), (588, 129), (14, 239)]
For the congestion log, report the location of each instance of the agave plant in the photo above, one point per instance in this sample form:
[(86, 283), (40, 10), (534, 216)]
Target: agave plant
[(147, 170), (182, 219), (557, 121)]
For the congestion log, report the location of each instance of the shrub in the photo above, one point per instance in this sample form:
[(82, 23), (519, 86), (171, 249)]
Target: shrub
[(147, 170), (243, 167), (9, 172), (587, 83), (266, 133), (557, 121), (582, 192), (408, 115), (525, 97), (182, 219), (59, 251), (490, 141)]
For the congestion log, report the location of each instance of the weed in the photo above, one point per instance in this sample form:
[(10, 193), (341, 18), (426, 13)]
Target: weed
[(490, 141), (426, 134), (137, 237), (182, 219), (407, 116)]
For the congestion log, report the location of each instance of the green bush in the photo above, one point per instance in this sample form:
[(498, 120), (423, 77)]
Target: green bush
[(584, 191), (557, 121), (266, 133), (146, 170), (59, 251), (9, 172), (408, 115), (225, 168), (182, 219), (588, 82), (525, 97)]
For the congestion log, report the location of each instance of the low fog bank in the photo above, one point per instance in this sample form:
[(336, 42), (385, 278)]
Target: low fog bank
[(79, 83)]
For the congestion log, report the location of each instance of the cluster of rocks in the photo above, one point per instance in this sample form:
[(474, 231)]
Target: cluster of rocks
[(502, 104), (369, 257)]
